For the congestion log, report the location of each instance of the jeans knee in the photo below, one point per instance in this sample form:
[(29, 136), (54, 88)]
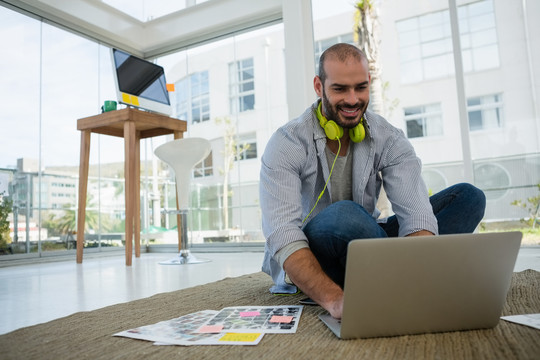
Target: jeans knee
[(343, 219), (347, 211), (475, 197), (475, 194)]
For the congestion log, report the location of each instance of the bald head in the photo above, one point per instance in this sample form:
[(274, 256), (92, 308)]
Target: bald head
[(340, 52)]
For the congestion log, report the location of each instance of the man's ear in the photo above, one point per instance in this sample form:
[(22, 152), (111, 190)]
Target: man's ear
[(318, 86)]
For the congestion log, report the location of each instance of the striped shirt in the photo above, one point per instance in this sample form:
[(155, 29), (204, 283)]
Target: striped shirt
[(294, 170)]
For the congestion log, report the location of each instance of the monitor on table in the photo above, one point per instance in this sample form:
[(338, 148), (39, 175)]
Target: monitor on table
[(140, 83)]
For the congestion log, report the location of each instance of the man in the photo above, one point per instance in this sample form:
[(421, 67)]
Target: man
[(319, 187)]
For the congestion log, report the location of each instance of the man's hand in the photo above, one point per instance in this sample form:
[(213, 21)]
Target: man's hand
[(305, 272)]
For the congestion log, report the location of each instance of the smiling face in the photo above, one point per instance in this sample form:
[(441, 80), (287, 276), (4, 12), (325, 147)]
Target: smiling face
[(345, 91)]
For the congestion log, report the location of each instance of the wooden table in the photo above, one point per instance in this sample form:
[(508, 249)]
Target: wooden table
[(133, 125)]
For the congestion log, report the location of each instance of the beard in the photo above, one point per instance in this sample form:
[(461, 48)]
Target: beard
[(332, 112)]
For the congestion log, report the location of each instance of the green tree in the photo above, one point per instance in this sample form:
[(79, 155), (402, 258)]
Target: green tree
[(232, 151), (6, 207), (67, 223), (532, 206), (49, 222)]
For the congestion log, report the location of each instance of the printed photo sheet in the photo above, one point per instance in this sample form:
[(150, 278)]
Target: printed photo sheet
[(255, 319), (182, 331)]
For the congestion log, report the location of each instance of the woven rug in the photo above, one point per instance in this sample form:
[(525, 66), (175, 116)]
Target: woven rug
[(88, 335)]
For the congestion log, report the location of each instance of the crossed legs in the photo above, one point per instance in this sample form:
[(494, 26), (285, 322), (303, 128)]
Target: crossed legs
[(458, 209)]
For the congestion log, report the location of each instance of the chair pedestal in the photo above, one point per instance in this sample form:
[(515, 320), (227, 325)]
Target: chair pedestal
[(185, 256)]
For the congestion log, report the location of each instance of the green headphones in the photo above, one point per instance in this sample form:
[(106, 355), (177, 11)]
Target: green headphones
[(333, 131)]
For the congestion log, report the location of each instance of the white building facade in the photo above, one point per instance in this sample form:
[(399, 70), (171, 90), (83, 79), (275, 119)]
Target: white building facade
[(245, 82)]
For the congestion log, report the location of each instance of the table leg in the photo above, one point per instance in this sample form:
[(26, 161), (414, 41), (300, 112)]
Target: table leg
[(137, 185), (83, 186), (129, 174)]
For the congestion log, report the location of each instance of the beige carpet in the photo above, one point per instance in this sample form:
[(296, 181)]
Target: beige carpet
[(88, 335)]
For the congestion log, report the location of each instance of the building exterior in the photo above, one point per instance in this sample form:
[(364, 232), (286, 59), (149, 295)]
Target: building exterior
[(501, 59), (418, 69)]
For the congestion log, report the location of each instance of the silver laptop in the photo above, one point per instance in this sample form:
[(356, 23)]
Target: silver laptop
[(423, 284)]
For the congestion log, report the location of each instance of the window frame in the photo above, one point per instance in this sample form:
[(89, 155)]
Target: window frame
[(251, 152), (187, 101), (483, 107), (425, 43), (238, 84), (204, 168), (424, 116)]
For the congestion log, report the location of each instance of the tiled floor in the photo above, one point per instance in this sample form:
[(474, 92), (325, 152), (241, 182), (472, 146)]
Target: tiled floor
[(36, 293)]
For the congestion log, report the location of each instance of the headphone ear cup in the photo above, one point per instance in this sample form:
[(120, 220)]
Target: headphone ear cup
[(358, 133), (332, 130)]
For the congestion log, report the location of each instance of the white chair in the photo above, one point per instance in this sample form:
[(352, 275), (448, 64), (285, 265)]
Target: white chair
[(182, 155)]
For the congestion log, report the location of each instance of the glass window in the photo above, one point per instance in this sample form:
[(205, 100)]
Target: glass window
[(225, 70), (181, 89), (432, 34), (55, 77), (493, 179), (193, 98), (485, 112), (435, 180), (204, 168), (20, 87), (479, 36), (321, 45), (44, 95), (242, 85), (150, 10), (246, 147), (423, 121)]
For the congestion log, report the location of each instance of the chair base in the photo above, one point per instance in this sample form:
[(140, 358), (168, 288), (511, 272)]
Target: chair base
[(185, 257)]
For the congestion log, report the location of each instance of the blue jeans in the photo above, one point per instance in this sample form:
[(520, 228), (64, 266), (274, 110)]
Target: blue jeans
[(458, 209)]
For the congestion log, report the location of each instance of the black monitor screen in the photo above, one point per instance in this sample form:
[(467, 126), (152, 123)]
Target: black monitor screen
[(140, 77)]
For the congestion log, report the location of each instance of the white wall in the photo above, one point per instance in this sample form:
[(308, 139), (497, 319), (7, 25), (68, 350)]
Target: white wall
[(520, 133)]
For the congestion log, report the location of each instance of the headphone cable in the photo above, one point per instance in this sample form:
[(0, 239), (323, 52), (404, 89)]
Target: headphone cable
[(327, 180)]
